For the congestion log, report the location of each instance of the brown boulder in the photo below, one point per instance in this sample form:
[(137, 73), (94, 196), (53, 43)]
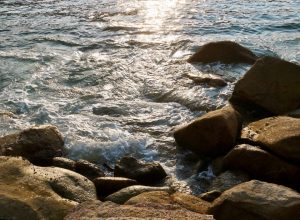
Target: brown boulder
[(33, 192), (97, 210), (272, 84), (262, 165), (223, 51), (280, 135), (108, 185), (37, 144), (256, 200), (144, 173), (212, 134)]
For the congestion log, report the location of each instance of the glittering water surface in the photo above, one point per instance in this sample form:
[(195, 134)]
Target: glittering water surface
[(111, 74)]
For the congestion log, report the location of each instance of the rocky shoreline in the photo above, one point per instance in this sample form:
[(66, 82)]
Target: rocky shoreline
[(253, 145)]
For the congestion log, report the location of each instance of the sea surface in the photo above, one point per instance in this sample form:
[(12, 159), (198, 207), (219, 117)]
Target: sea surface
[(111, 74)]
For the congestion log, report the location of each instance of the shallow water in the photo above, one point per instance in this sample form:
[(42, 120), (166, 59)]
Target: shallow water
[(111, 74)]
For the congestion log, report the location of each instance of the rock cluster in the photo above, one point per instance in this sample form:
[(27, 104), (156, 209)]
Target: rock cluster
[(37, 182)]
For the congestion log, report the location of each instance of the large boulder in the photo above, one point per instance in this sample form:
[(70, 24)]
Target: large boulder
[(108, 185), (212, 134), (32, 192), (144, 173), (125, 194), (280, 135), (97, 210), (255, 200), (223, 51), (38, 144), (262, 165), (272, 84)]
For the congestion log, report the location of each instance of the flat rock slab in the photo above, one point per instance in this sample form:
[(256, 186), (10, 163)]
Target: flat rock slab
[(107, 210), (280, 135), (256, 200)]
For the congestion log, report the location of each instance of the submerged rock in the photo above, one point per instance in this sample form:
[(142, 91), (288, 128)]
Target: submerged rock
[(144, 173), (210, 80), (256, 200), (262, 165), (223, 51), (212, 134), (108, 185), (125, 194), (97, 210), (37, 144), (280, 135), (272, 84), (88, 169), (39, 192)]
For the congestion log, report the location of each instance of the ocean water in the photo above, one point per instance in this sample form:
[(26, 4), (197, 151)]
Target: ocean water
[(111, 74)]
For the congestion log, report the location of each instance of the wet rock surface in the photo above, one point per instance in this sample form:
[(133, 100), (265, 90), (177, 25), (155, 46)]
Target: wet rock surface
[(212, 134), (208, 79), (256, 200), (272, 84), (224, 52), (144, 173)]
